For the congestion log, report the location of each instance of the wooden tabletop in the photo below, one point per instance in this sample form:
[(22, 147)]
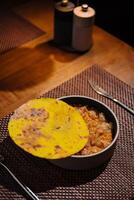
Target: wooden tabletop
[(38, 66)]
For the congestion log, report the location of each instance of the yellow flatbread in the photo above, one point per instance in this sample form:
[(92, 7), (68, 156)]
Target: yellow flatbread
[(48, 128)]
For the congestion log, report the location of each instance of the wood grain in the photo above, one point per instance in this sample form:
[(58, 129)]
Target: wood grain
[(38, 66)]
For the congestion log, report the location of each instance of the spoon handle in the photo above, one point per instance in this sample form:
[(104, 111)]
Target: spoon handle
[(25, 188)]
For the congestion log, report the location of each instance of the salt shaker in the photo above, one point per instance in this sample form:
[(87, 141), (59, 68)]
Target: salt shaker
[(83, 21)]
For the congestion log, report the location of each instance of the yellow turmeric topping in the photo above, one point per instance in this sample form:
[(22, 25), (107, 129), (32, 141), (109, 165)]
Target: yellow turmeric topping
[(48, 128)]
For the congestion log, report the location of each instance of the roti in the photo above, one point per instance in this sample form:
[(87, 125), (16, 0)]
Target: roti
[(48, 128)]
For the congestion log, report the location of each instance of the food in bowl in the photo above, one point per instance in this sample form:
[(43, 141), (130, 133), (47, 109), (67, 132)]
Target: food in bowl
[(55, 130), (100, 130), (88, 161), (48, 128)]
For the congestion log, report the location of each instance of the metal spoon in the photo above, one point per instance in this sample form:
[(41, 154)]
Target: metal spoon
[(102, 92), (25, 188)]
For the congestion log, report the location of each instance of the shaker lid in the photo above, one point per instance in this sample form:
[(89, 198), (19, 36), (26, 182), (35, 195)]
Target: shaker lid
[(84, 7), (84, 11), (64, 6), (64, 2)]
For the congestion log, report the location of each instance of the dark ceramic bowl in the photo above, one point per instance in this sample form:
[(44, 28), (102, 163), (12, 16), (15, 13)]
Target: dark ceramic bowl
[(93, 160)]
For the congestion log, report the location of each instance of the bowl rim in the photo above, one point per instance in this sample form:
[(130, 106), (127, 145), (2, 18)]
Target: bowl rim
[(117, 123)]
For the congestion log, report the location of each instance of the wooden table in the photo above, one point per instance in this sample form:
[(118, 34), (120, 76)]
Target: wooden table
[(37, 66)]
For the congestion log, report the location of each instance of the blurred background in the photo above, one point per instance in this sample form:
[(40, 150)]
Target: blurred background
[(116, 17)]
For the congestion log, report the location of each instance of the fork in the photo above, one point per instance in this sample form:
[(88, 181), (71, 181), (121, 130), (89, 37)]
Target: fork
[(26, 189), (102, 92)]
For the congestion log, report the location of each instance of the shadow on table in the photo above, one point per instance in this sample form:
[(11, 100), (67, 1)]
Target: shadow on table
[(23, 67), (39, 174), (59, 53)]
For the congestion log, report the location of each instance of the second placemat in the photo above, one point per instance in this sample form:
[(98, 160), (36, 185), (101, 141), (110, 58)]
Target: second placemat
[(15, 30)]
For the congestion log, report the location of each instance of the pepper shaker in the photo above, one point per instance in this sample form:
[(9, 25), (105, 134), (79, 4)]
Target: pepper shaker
[(63, 19)]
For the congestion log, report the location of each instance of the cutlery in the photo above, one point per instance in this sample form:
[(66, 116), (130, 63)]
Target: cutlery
[(25, 188), (102, 92)]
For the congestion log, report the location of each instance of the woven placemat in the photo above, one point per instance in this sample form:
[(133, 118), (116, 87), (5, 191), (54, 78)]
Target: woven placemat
[(15, 30), (112, 181)]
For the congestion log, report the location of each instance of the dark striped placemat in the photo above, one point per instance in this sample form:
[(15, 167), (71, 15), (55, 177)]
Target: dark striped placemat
[(15, 30), (112, 181)]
